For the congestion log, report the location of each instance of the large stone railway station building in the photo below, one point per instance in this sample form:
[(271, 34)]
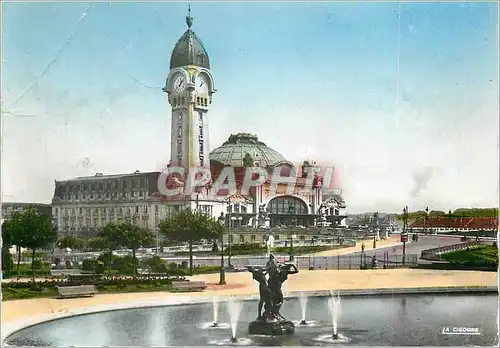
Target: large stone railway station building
[(85, 204)]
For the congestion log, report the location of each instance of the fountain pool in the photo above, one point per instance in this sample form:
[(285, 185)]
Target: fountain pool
[(387, 320)]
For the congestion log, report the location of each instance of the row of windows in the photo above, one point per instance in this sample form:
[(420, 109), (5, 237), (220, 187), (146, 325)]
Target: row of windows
[(181, 101), (178, 101), (201, 101), (105, 195), (236, 208), (87, 210), (96, 223), (287, 205), (108, 185)]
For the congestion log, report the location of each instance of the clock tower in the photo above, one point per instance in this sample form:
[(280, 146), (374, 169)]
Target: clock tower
[(189, 88)]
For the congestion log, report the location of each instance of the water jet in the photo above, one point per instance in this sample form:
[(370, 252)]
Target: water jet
[(215, 302), (303, 307), (234, 309), (334, 306)]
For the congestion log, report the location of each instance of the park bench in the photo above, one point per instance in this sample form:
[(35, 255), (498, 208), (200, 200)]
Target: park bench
[(76, 291), (189, 285)]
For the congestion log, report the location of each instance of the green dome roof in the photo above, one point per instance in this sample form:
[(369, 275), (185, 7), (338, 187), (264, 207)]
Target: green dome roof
[(189, 50), (233, 152)]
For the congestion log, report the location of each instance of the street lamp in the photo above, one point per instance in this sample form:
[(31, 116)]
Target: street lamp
[(375, 218), (291, 210), (404, 235), (222, 277), (313, 255), (230, 235), (426, 221)]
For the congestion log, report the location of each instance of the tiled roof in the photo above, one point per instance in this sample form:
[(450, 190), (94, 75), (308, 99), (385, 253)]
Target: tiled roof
[(111, 176), (485, 223), (239, 198)]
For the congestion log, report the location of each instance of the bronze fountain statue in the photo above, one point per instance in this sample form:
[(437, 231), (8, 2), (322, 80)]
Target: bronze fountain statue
[(271, 322)]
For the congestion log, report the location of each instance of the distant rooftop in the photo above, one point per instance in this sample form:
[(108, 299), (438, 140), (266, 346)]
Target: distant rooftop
[(24, 204), (101, 176)]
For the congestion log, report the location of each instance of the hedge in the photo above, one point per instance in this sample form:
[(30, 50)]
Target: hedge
[(104, 281)]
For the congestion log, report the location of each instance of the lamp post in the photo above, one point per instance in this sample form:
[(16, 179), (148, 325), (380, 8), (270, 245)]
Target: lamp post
[(426, 221), (375, 218), (291, 210), (230, 236), (222, 275), (404, 235)]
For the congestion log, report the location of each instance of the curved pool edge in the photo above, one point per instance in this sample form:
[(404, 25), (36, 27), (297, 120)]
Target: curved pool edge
[(10, 328)]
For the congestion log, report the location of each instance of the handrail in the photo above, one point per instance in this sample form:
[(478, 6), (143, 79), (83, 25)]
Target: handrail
[(435, 253)]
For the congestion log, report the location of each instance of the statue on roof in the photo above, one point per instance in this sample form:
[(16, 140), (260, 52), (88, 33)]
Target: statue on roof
[(247, 160)]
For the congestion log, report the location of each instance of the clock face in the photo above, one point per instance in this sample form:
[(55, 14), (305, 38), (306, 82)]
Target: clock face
[(179, 83), (201, 84)]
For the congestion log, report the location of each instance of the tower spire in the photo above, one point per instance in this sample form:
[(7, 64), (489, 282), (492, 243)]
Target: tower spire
[(189, 19)]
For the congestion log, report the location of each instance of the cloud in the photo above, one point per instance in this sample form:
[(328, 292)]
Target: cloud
[(421, 178)]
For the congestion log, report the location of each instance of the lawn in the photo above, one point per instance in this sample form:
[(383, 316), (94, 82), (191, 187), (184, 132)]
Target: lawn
[(26, 293), (475, 256)]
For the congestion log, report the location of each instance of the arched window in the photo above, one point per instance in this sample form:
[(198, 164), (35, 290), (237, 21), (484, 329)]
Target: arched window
[(253, 238), (287, 205), (242, 238)]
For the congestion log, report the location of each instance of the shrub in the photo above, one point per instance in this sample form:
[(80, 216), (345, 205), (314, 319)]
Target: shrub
[(7, 262), (104, 281), (37, 264), (156, 265), (106, 257), (124, 265), (93, 265)]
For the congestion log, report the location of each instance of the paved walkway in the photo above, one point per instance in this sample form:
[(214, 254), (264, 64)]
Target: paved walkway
[(392, 241), (242, 284)]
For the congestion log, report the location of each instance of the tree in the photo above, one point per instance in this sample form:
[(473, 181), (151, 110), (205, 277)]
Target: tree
[(110, 237), (134, 237), (12, 234), (71, 242), (7, 263), (31, 230), (96, 243), (190, 227)]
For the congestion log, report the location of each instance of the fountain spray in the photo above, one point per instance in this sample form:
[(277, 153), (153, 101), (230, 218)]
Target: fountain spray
[(334, 306), (303, 306), (234, 308), (216, 310)]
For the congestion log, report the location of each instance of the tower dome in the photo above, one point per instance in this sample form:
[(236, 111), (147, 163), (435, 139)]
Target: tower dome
[(189, 50), (244, 146)]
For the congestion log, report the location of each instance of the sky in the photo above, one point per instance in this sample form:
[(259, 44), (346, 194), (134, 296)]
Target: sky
[(411, 123)]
